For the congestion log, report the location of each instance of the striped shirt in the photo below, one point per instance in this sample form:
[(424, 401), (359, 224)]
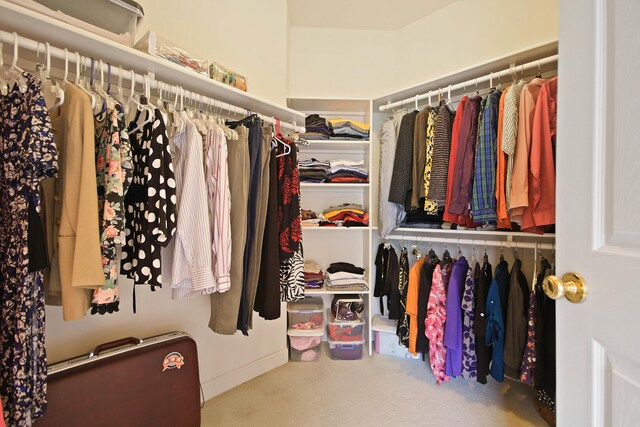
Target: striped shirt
[(217, 179), (192, 273), (483, 204), (510, 131)]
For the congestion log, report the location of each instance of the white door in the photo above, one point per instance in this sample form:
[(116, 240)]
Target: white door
[(598, 212)]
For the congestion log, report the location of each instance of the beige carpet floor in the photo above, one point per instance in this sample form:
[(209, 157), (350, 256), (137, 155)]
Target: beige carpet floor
[(375, 391)]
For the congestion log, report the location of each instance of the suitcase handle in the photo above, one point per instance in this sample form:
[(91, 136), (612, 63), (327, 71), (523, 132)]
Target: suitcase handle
[(113, 344)]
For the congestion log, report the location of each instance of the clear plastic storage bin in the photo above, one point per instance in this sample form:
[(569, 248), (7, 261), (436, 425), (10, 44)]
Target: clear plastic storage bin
[(340, 350), (341, 330), (304, 345), (306, 314)]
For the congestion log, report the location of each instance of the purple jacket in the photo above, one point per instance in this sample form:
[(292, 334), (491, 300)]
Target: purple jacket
[(453, 326)]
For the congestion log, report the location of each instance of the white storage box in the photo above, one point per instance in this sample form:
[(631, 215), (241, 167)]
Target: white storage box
[(305, 345), (386, 340), (114, 19)]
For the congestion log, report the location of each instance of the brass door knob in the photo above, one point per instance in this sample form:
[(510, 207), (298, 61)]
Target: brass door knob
[(571, 286)]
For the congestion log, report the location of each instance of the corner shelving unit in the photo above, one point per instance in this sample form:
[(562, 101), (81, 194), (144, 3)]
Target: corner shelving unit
[(332, 244)]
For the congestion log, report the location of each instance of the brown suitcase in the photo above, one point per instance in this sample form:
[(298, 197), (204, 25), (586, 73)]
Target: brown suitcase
[(129, 382)]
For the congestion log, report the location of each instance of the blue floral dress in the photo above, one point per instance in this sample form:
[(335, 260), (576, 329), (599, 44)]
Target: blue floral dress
[(28, 155)]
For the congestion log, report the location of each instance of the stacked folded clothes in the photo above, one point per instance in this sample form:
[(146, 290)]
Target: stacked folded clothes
[(309, 218), (347, 171), (313, 275), (346, 215), (343, 128), (316, 127), (341, 275), (314, 170)]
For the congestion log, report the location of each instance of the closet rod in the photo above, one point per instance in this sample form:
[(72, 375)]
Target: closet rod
[(471, 82), (62, 54), (471, 242)]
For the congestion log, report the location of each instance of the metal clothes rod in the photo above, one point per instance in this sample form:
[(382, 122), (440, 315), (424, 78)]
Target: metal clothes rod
[(471, 82), (119, 72), (477, 242)]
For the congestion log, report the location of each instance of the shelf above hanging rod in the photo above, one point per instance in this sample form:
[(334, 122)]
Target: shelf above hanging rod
[(36, 26), (471, 83), (504, 243)]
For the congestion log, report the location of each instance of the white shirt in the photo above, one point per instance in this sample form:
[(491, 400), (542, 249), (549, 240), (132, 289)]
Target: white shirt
[(192, 273)]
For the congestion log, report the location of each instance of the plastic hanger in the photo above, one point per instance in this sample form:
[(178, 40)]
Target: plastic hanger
[(99, 109), (286, 148), (146, 106), (55, 88), (16, 73), (446, 256), (78, 82), (4, 84), (132, 99)]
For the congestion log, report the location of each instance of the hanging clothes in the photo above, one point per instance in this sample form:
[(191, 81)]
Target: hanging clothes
[(520, 211), (496, 319), (435, 322), (419, 158), (545, 372), (413, 292), (453, 327), (267, 300), (151, 211), (503, 221), (70, 205), (387, 277), (469, 358), (542, 188), (426, 279), (483, 278), (430, 206), (114, 170), (516, 324), (453, 156), (29, 155), (441, 152), (402, 330), (401, 177), (510, 132), (463, 175), (291, 258), (390, 214), (483, 201), (225, 306)]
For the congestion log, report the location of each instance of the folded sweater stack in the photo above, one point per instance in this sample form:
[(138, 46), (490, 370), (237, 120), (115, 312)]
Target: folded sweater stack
[(347, 215), (343, 128), (316, 127), (314, 170), (342, 275), (313, 275), (347, 171)]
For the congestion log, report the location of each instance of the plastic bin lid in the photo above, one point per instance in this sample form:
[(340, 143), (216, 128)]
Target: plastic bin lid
[(306, 332), (333, 321), (307, 304), (346, 343), (383, 324)]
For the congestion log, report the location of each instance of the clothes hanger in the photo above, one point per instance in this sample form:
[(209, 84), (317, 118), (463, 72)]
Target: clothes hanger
[(55, 88), (16, 73), (485, 258), (501, 254), (78, 82), (446, 256), (535, 268), (460, 254), (539, 74), (286, 148), (4, 84), (146, 106), (132, 99), (99, 89)]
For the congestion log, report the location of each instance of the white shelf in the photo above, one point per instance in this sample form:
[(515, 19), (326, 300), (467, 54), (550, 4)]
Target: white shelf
[(342, 145), (325, 291), (334, 185), (484, 233), (336, 229), (33, 25)]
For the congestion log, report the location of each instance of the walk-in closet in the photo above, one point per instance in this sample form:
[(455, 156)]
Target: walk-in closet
[(293, 213)]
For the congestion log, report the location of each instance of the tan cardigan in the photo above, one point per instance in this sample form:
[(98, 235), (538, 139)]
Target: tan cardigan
[(71, 209)]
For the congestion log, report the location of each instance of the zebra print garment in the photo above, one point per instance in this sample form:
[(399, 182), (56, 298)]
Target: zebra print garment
[(292, 278)]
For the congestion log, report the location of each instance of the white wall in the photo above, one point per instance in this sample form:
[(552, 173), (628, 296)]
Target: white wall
[(226, 31), (248, 36), (332, 63)]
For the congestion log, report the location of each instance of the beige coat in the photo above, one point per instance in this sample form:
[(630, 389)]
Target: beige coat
[(70, 204)]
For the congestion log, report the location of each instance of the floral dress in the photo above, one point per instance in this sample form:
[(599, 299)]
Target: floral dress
[(434, 323), (114, 174), (28, 155)]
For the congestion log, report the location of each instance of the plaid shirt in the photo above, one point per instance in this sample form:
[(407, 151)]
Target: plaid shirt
[(483, 205)]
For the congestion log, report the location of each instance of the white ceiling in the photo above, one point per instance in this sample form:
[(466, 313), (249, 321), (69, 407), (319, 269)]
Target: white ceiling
[(360, 14)]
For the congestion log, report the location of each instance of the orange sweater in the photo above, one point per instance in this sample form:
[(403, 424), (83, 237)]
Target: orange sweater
[(455, 133), (412, 303)]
